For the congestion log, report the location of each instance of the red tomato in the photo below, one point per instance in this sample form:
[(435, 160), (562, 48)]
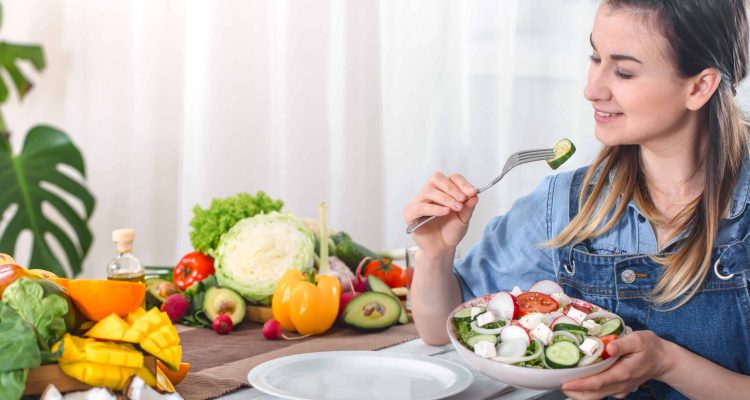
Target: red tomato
[(530, 302), (577, 307), (606, 339), (393, 275)]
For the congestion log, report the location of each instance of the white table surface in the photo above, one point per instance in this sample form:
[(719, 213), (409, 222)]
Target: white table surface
[(483, 388)]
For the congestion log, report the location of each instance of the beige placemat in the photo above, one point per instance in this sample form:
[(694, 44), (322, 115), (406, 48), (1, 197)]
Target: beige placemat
[(220, 364)]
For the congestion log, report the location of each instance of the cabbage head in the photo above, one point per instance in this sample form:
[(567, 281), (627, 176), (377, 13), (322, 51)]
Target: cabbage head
[(254, 254)]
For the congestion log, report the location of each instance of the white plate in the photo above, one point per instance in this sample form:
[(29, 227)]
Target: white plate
[(360, 375)]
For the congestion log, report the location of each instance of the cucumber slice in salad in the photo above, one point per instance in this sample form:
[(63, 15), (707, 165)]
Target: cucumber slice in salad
[(611, 327), (563, 150), (569, 327), (562, 354), (465, 314), (487, 338)]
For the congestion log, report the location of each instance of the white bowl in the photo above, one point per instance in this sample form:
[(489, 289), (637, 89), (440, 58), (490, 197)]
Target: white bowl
[(532, 378)]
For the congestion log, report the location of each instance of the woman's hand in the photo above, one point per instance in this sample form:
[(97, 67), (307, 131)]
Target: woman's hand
[(452, 199), (643, 356)]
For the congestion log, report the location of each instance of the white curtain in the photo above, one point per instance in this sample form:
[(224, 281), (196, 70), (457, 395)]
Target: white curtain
[(354, 103)]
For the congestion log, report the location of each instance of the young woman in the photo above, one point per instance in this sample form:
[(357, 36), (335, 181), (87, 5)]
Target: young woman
[(657, 229)]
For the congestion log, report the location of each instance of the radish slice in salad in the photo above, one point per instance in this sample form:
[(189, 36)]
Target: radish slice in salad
[(484, 331), (546, 286), (512, 349), (503, 306), (513, 332), (563, 320)]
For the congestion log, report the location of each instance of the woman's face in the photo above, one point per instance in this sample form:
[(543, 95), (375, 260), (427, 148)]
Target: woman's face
[(637, 93)]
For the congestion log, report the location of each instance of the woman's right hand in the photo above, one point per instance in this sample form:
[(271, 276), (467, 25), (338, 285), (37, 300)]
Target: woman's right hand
[(452, 199)]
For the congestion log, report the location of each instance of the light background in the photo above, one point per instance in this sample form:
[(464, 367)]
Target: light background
[(354, 103)]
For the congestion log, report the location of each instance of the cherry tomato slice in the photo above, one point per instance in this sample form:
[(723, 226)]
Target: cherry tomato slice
[(530, 302), (606, 339)]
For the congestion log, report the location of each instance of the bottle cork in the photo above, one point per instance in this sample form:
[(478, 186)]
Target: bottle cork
[(124, 239)]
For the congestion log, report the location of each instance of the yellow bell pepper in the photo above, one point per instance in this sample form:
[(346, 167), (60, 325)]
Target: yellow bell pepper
[(303, 306), (152, 330), (98, 363)]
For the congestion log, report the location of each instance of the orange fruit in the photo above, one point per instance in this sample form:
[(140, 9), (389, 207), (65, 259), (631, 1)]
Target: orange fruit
[(97, 298), (174, 376)]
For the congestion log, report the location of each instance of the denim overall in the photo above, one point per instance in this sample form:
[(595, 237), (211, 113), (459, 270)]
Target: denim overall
[(714, 324)]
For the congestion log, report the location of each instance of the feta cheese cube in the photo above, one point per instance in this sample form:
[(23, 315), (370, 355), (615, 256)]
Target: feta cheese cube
[(485, 318), (561, 298), (542, 333), (589, 346), (516, 291), (530, 321), (576, 314), (475, 311), (591, 326), (485, 349)]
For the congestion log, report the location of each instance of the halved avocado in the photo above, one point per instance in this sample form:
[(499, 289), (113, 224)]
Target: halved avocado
[(376, 284), (157, 291), (224, 301), (372, 312)]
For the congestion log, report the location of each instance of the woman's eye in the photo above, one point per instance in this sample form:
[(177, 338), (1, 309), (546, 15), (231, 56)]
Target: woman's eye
[(623, 75), (594, 59)]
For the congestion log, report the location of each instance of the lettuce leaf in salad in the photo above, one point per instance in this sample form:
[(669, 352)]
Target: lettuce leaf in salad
[(535, 363), (463, 328)]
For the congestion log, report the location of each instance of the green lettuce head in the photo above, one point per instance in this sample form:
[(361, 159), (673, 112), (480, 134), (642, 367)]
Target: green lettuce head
[(254, 254)]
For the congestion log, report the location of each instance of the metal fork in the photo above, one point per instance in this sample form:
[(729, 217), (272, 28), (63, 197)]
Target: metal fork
[(516, 159)]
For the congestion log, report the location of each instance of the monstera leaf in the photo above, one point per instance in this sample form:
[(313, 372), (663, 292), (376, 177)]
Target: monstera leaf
[(10, 55), (33, 178)]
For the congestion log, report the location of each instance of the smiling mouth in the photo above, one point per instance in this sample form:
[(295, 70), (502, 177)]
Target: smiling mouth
[(601, 116)]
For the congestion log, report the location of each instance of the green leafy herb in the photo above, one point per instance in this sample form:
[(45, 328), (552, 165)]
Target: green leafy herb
[(18, 346), (46, 313), (13, 383), (208, 225), (196, 293), (18, 353), (494, 325)]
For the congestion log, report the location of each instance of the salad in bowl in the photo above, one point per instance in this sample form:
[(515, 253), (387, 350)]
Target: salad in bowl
[(537, 339)]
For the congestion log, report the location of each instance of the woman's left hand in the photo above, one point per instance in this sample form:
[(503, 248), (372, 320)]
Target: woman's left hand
[(643, 356)]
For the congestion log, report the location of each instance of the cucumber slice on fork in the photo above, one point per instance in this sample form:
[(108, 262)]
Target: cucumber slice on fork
[(563, 150)]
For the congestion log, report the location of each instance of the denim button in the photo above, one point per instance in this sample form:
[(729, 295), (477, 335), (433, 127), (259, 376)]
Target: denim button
[(641, 218), (628, 276)]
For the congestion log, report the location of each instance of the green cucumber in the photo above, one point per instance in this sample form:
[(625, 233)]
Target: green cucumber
[(563, 150), (611, 327), (487, 338), (562, 354), (465, 314), (569, 327)]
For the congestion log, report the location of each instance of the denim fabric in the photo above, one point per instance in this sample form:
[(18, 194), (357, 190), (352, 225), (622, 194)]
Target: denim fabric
[(614, 271)]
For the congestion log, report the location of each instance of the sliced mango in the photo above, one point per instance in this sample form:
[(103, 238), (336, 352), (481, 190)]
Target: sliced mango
[(98, 363), (114, 328), (160, 337), (152, 330)]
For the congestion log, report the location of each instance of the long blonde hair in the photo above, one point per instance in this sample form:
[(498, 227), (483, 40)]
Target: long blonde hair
[(702, 34)]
